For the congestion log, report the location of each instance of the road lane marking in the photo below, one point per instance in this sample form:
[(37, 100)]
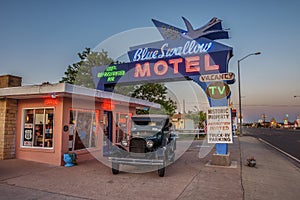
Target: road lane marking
[(285, 153)]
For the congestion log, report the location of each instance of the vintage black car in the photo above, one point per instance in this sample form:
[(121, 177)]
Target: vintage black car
[(151, 142)]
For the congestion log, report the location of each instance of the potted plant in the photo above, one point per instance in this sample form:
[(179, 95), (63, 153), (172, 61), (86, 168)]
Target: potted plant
[(251, 162), (70, 159)]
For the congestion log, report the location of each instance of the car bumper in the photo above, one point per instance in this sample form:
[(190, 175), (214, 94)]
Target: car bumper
[(155, 158), (136, 161)]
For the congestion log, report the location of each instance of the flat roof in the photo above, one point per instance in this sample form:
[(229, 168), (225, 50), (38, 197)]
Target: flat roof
[(68, 90)]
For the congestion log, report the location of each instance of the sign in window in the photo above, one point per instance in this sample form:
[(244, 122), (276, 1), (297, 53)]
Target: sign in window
[(38, 128)]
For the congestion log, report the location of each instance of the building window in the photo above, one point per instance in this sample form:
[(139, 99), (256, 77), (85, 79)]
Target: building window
[(38, 127), (122, 124), (82, 129)]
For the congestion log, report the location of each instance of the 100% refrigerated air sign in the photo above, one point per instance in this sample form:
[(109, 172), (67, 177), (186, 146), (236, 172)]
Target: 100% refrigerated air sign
[(219, 125)]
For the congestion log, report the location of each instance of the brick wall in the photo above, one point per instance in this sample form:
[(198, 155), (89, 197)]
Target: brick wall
[(10, 81), (2, 127), (8, 117)]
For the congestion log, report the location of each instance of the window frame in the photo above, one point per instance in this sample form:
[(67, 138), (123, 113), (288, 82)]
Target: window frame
[(75, 125), (33, 132)]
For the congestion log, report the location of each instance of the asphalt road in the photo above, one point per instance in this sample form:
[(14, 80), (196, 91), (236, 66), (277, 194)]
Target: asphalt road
[(287, 140)]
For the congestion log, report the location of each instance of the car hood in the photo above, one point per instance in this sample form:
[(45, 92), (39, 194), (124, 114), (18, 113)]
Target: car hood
[(144, 133)]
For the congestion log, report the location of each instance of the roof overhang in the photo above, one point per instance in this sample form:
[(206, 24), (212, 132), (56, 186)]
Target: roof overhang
[(71, 91)]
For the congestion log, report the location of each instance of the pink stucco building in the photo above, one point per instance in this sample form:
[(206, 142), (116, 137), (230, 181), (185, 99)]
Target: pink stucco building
[(42, 122)]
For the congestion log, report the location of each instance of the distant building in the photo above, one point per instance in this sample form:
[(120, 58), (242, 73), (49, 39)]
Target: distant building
[(180, 122)]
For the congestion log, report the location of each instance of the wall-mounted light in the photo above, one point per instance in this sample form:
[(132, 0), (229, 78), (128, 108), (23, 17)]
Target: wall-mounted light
[(53, 95)]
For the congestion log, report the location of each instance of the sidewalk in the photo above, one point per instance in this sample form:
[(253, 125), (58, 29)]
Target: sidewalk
[(274, 176), (188, 178)]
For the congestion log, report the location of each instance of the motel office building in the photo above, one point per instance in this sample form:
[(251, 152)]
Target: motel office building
[(42, 122)]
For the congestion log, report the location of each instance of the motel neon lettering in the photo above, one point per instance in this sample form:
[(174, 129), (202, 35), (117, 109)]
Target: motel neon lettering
[(189, 48), (175, 63), (160, 67), (192, 64), (142, 71)]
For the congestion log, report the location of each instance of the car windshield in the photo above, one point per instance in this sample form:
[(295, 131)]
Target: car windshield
[(146, 127)]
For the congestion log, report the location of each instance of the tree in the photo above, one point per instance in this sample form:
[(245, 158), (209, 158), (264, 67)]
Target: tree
[(202, 117), (155, 92), (126, 90), (80, 73), (198, 117), (72, 70)]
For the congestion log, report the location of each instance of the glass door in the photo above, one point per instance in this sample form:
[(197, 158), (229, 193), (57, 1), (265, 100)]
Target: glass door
[(107, 130)]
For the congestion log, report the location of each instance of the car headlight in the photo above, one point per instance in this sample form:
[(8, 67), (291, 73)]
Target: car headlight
[(124, 143), (149, 143)]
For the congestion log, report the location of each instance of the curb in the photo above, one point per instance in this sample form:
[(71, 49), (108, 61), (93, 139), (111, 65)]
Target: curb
[(280, 150)]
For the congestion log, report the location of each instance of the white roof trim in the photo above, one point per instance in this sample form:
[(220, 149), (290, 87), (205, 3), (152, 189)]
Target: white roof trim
[(46, 89)]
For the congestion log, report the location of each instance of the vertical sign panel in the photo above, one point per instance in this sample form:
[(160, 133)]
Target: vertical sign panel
[(219, 125)]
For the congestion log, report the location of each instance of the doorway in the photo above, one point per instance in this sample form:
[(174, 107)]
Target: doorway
[(107, 131)]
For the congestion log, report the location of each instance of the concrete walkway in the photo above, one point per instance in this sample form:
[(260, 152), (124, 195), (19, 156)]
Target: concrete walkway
[(274, 177), (190, 177)]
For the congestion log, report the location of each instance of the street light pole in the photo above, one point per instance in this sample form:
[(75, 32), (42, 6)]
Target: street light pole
[(239, 86), (240, 99)]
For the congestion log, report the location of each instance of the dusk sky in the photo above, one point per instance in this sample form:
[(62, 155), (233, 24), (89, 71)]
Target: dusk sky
[(39, 39)]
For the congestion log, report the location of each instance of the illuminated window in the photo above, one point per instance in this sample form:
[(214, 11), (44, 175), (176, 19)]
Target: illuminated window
[(38, 128)]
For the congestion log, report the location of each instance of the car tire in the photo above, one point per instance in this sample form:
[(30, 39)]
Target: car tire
[(115, 168), (161, 171)]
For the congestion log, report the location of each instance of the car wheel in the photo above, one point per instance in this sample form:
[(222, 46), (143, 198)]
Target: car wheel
[(161, 171), (115, 168)]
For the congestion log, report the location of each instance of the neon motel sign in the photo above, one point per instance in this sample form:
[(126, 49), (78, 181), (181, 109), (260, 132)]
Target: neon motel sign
[(182, 55)]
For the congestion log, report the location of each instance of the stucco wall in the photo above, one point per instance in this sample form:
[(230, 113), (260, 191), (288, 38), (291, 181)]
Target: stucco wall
[(61, 119), (51, 156)]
